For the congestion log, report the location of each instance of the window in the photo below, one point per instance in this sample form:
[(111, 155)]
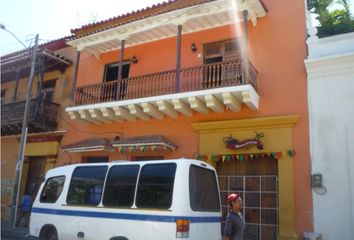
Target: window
[(155, 187), (203, 190), (3, 93), (86, 185), (99, 159), (147, 158), (52, 189), (48, 89), (120, 186)]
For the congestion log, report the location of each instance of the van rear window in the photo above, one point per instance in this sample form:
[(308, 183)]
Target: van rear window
[(155, 188), (203, 190), (86, 185), (52, 189), (120, 186)]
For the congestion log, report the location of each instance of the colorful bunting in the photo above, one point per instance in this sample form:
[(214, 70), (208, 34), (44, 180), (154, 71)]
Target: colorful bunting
[(247, 156)]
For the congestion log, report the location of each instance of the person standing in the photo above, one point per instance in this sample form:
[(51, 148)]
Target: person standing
[(25, 209), (235, 225)]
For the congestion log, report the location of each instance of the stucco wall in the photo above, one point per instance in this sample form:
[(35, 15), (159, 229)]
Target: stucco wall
[(276, 49), (331, 107)]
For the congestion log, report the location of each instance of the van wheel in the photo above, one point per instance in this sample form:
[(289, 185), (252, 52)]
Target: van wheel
[(118, 238), (49, 233), (52, 236)]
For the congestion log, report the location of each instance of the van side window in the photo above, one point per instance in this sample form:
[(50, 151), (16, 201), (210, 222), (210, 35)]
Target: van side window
[(52, 189), (86, 185), (120, 186), (203, 190), (155, 186)]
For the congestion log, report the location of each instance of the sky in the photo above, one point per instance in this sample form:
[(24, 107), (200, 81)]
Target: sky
[(53, 19)]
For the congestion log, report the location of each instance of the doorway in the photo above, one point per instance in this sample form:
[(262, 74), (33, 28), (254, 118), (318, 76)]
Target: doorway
[(257, 182), (36, 172), (112, 89), (219, 65)]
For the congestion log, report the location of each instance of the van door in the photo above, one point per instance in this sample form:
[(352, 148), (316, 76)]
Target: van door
[(204, 203)]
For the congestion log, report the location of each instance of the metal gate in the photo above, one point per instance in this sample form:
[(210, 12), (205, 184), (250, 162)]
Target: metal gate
[(260, 203)]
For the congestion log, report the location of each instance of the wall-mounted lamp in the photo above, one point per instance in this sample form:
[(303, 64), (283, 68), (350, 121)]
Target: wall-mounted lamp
[(193, 47), (134, 60)]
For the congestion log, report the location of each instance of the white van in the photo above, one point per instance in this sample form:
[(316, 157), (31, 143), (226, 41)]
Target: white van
[(166, 199)]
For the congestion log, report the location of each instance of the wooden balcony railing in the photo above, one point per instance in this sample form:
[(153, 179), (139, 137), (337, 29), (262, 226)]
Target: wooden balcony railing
[(42, 116), (207, 76)]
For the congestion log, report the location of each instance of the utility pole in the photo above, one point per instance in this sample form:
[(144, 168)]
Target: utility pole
[(21, 150)]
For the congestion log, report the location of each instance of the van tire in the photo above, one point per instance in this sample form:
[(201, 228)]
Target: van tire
[(48, 232), (118, 238)]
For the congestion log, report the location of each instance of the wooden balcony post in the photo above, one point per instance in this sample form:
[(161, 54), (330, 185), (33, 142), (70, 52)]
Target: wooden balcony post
[(16, 85), (178, 62), (41, 76), (121, 55), (246, 70), (75, 74)]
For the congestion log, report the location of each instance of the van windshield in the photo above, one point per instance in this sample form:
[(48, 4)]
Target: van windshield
[(203, 190)]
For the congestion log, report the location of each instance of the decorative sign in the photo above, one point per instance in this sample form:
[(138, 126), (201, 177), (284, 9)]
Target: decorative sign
[(234, 144)]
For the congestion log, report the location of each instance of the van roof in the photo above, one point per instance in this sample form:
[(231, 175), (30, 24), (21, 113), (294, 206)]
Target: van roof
[(64, 170)]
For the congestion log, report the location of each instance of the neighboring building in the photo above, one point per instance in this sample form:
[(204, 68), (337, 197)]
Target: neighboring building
[(330, 68), (170, 101), (51, 93)]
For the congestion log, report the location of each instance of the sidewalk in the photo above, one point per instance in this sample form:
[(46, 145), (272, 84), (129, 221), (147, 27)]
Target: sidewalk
[(17, 233)]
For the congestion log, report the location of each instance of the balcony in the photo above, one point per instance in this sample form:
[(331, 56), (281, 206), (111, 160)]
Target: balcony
[(191, 79), (211, 87), (42, 116)]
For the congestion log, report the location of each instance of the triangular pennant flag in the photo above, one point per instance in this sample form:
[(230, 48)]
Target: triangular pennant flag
[(291, 153), (241, 158), (223, 157), (205, 157), (228, 157)]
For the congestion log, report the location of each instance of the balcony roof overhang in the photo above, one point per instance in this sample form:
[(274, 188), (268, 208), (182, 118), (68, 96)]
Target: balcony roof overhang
[(89, 145), (194, 18), (172, 105), (144, 143), (21, 62)]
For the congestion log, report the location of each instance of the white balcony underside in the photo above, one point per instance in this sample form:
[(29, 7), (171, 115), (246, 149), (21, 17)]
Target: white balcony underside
[(193, 19), (171, 105)]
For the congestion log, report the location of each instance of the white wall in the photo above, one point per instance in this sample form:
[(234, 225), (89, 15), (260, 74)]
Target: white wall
[(330, 68)]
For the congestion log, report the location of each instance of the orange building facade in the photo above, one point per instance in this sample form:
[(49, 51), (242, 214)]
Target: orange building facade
[(157, 109)]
